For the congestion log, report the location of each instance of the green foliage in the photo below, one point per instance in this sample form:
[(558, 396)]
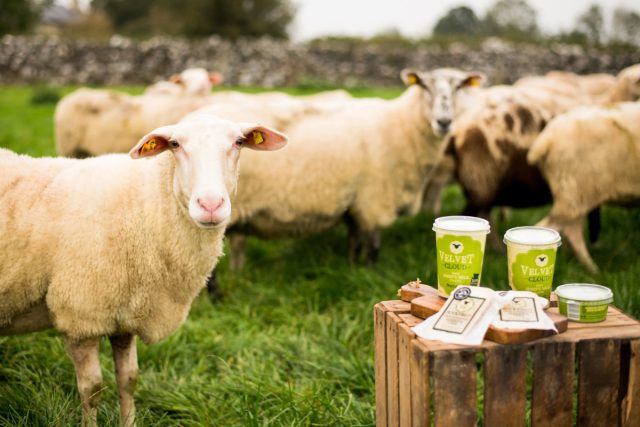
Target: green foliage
[(591, 24), (511, 19), (19, 16), (292, 344), (198, 18), (626, 26), (44, 95), (459, 21)]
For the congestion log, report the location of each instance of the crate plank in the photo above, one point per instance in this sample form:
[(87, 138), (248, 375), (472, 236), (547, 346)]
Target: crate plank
[(410, 320), (404, 374), (420, 387), (630, 412), (553, 368), (393, 398), (454, 384), (380, 363), (505, 378), (598, 383)]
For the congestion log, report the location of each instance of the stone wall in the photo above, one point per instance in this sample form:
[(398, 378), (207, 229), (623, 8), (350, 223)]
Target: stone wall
[(273, 63)]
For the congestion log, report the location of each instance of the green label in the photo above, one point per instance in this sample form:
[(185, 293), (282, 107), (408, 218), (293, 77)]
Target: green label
[(533, 271), (584, 311), (459, 262)]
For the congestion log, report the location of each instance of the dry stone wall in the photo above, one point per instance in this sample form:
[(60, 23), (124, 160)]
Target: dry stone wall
[(275, 63)]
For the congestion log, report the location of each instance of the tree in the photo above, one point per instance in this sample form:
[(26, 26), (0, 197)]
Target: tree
[(197, 18), (459, 21), (591, 24), (19, 16), (626, 26), (513, 19)]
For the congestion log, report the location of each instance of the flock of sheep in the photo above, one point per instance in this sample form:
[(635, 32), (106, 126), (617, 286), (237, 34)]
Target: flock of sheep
[(117, 246)]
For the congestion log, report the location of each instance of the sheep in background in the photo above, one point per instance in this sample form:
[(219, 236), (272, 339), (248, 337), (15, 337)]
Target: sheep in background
[(90, 122), (589, 157), (111, 246), (192, 82), (364, 162), (488, 147)]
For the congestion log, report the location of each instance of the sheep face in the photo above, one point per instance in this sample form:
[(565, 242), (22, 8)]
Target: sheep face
[(206, 151), (446, 91), (630, 78), (196, 81)]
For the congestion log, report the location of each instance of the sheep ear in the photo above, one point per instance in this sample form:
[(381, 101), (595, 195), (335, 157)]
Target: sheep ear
[(152, 144), (411, 77), (176, 78), (474, 80), (263, 138), (215, 78)]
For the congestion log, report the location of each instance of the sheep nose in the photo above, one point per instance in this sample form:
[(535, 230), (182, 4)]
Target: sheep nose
[(210, 204), (444, 123)]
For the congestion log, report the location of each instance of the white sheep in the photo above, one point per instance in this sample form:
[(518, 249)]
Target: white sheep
[(90, 122), (488, 147), (192, 82), (589, 157), (364, 161), (117, 247)]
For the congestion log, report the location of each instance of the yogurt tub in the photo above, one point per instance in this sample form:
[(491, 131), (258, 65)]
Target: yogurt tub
[(531, 258), (584, 302), (460, 242)]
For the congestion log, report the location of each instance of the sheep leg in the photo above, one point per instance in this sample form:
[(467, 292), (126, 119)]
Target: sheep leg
[(237, 247), (432, 198), (594, 225), (125, 358), (354, 240), (373, 240), (213, 288), (575, 237), (85, 356)]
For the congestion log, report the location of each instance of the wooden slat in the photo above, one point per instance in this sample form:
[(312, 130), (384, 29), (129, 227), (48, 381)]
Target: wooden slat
[(380, 362), (393, 397), (404, 374), (454, 384), (505, 377), (396, 306), (630, 411), (553, 368), (410, 320), (598, 383), (420, 387)]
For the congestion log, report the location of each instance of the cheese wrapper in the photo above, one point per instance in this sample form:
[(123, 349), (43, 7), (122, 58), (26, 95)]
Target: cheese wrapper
[(522, 310)]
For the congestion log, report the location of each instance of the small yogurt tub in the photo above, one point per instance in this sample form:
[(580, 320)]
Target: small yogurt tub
[(584, 302)]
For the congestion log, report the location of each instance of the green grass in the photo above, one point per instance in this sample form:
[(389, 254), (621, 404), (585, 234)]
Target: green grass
[(292, 343)]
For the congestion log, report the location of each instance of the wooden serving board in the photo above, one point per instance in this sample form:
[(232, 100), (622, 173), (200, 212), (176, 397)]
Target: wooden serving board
[(425, 302)]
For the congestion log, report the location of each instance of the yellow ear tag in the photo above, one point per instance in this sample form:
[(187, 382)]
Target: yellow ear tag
[(148, 146), (474, 82), (412, 79), (257, 137)]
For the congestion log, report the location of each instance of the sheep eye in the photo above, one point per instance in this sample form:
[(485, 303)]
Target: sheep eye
[(174, 144), (241, 140)]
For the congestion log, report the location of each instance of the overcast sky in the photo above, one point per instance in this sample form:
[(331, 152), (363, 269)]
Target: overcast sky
[(417, 17)]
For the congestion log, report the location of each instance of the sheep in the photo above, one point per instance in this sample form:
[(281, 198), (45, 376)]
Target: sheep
[(589, 156), (192, 81), (364, 162), (490, 143), (84, 119), (118, 247)]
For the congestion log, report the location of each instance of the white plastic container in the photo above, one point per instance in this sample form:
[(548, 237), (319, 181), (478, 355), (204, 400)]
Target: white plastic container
[(531, 258), (584, 302), (460, 243)]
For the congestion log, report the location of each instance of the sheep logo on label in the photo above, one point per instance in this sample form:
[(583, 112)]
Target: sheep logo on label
[(456, 247), (542, 260)]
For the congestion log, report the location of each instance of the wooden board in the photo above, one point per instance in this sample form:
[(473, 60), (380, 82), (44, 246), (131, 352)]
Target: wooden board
[(380, 363), (505, 378), (598, 383), (552, 397), (393, 398), (430, 303), (404, 374), (420, 386), (454, 388), (630, 412)]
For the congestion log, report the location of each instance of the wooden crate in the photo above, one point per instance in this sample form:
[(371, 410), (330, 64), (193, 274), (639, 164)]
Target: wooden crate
[(587, 376)]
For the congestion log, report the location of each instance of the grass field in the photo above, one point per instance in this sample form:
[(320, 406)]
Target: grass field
[(291, 345)]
